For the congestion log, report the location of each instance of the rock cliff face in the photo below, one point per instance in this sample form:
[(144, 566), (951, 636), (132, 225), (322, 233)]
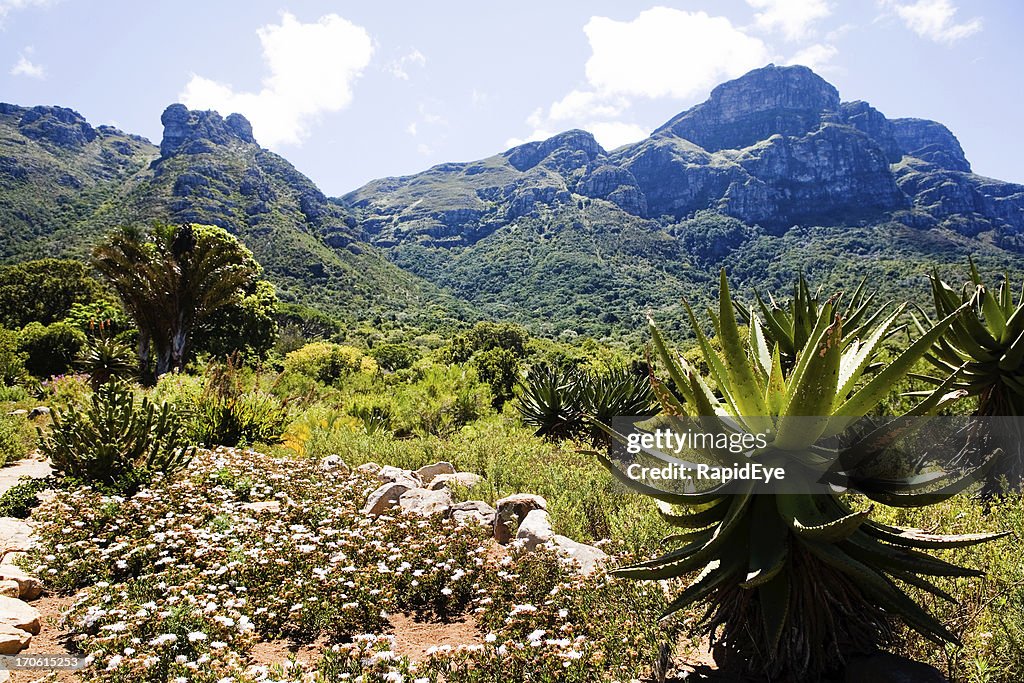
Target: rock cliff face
[(775, 148)]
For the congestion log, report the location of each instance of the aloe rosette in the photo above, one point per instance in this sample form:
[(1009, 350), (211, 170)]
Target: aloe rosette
[(795, 581)]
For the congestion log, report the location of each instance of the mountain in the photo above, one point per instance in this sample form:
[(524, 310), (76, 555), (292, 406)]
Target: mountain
[(64, 183), (772, 174)]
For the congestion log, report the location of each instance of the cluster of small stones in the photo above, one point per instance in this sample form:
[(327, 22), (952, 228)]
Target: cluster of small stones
[(521, 517)]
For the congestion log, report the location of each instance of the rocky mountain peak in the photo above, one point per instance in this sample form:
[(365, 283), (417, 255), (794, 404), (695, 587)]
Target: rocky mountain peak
[(194, 132), (569, 150), (786, 100), (58, 125)]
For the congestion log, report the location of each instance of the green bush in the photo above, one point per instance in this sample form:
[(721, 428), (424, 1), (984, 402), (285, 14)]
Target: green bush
[(499, 369), (327, 362), (12, 442), (441, 401), (116, 442), (394, 357), (19, 500), (50, 349), (12, 358), (243, 419)]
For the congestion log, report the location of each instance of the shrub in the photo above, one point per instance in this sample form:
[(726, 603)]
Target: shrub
[(499, 368), (227, 415), (116, 442), (19, 500), (12, 359), (105, 358), (326, 362), (394, 357), (441, 401), (12, 442), (50, 349)]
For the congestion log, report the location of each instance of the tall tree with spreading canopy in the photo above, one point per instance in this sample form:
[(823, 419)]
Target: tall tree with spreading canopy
[(172, 280)]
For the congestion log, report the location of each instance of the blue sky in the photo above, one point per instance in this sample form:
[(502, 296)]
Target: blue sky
[(351, 91)]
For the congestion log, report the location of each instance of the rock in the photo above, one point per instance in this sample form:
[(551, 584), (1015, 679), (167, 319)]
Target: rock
[(61, 126), (883, 667), (426, 502), (384, 497), (333, 462), (473, 511), (588, 557), (15, 534), (195, 132), (786, 100), (511, 511), (12, 641), (9, 588), (396, 474), (19, 411), (427, 473), (29, 587), (262, 506), (368, 468), (535, 529), (463, 479), (38, 411), (19, 614), (931, 142)]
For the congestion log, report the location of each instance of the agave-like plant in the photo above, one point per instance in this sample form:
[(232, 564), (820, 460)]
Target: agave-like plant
[(790, 324), (549, 401), (797, 580), (987, 345)]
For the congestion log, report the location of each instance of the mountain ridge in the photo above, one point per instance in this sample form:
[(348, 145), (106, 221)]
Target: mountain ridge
[(774, 173)]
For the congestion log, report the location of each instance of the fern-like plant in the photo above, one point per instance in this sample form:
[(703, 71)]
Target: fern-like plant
[(115, 442), (796, 580)]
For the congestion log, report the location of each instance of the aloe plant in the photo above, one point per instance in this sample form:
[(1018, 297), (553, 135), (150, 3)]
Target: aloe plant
[(987, 346), (795, 581), (790, 324)]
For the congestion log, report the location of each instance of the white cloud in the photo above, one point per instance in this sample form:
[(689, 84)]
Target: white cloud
[(661, 53), (411, 129), (934, 19), (612, 134), (424, 149), (8, 6), (668, 52), (817, 56), (399, 68), (312, 70), (26, 67), (793, 18)]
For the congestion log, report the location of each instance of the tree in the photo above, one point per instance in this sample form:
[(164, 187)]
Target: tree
[(45, 291), (171, 280)]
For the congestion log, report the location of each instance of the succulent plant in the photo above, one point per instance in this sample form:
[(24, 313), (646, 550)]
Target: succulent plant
[(986, 346), (567, 403), (790, 324), (115, 442), (105, 358), (795, 581)]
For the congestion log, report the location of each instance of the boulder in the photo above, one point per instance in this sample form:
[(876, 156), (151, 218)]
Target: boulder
[(19, 614), (586, 556), (19, 411), (12, 640), (426, 502), (368, 468), (9, 588), (333, 462), (427, 473), (883, 667), (29, 587), (389, 473), (473, 511), (511, 511), (535, 529), (38, 411), (447, 481), (384, 497)]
